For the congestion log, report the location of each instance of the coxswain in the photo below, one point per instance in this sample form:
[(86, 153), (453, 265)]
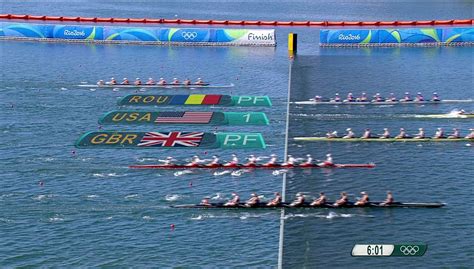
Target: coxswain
[(435, 97), (471, 134), (439, 133), (137, 81), (419, 97), (175, 81), (252, 160), (112, 81), (392, 98), (331, 134), (253, 201), (199, 81), (337, 98), (321, 200), (420, 134), (366, 134), (272, 161), (402, 134), (234, 201), (299, 201), (125, 82), (214, 162), (378, 98), (276, 201), (187, 82), (328, 162), (350, 134), (343, 200), (389, 200), (350, 98), (386, 133), (100, 83), (205, 201), (195, 161), (406, 98), (162, 81), (456, 134), (363, 97), (290, 161), (150, 82), (233, 162), (364, 200)]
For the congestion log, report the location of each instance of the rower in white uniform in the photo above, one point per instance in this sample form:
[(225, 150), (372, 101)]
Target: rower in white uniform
[(233, 162), (392, 98), (386, 134), (471, 134), (456, 134), (350, 98), (137, 81), (168, 161), (162, 81), (251, 160), (439, 133), (317, 99), (299, 201), (331, 134), (125, 82), (420, 134), (406, 98), (214, 161), (290, 161), (419, 97), (234, 201), (402, 134), (175, 81), (367, 134), (378, 98), (350, 134), (150, 81), (199, 81), (195, 160), (435, 97), (363, 97), (337, 98), (309, 160), (100, 83), (272, 161), (328, 162), (187, 82), (112, 81)]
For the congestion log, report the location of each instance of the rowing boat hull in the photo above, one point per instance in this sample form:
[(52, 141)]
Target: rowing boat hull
[(168, 86), (161, 166), (325, 139), (309, 102), (445, 116), (307, 205)]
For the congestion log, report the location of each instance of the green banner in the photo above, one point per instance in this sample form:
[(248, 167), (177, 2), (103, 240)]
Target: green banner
[(111, 139), (409, 250), (183, 117)]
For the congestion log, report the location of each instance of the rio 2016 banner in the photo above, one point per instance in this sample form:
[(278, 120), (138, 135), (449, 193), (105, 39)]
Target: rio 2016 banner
[(397, 36), (168, 140), (120, 34)]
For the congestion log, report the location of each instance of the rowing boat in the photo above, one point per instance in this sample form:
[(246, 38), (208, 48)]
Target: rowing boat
[(167, 86), (243, 166), (312, 102), (325, 139), (307, 205), (445, 116)]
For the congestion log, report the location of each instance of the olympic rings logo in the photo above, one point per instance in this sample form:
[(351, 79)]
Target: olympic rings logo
[(409, 250), (189, 35)]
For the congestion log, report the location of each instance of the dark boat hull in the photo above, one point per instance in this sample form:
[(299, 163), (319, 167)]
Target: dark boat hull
[(307, 205)]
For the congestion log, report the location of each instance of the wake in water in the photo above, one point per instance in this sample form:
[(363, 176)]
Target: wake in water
[(102, 175), (330, 215)]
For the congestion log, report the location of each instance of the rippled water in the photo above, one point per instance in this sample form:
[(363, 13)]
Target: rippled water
[(93, 211)]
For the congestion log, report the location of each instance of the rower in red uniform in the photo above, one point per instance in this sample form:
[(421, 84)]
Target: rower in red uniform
[(392, 98), (402, 134), (299, 201), (367, 134), (162, 81), (199, 81), (389, 200), (364, 200), (112, 81), (350, 98), (406, 98), (328, 162), (420, 134), (435, 97), (234, 162), (308, 162), (195, 161), (378, 98), (187, 82), (290, 161), (214, 162), (363, 97), (205, 201), (272, 161), (321, 200), (419, 97), (337, 98), (252, 161), (455, 135), (350, 134), (439, 133), (100, 83), (386, 134), (125, 82), (471, 134), (150, 81), (276, 201), (137, 82), (342, 201), (175, 81), (234, 201), (253, 201)]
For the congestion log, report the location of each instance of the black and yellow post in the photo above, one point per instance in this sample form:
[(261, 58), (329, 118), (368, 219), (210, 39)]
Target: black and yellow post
[(292, 44)]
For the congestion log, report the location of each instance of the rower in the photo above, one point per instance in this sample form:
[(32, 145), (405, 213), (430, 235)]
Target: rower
[(309, 160), (214, 161), (343, 200), (234, 201), (150, 82), (389, 200), (252, 160), (402, 134), (435, 97), (321, 200), (199, 81), (386, 133), (299, 201), (420, 134), (100, 83), (392, 98), (112, 81), (337, 98), (168, 161), (363, 97), (253, 201), (137, 81), (290, 161), (471, 134), (162, 81), (328, 162), (419, 97), (125, 82), (378, 98), (406, 98), (187, 82), (233, 162), (350, 134), (205, 202), (276, 201), (175, 81), (366, 134), (439, 133), (272, 161), (461, 112), (195, 161), (317, 99), (456, 134), (364, 200), (332, 134), (350, 98)]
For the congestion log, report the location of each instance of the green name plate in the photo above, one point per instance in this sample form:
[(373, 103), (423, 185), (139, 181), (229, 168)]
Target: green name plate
[(184, 117), (251, 101), (164, 140)]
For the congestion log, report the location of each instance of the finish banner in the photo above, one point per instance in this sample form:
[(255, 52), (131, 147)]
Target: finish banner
[(193, 100), (184, 117), (166, 140)]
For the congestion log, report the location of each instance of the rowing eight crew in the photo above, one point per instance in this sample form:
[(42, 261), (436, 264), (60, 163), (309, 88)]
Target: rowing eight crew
[(300, 200), (378, 98), (252, 161), (150, 81), (403, 134)]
